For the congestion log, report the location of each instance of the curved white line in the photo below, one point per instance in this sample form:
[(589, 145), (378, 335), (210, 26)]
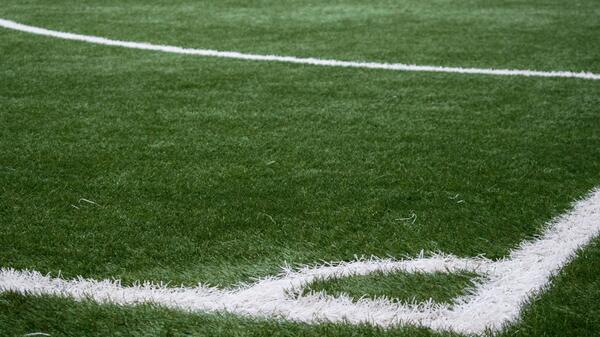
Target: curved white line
[(493, 303), (291, 59)]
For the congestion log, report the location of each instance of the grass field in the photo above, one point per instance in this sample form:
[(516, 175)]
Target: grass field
[(137, 165)]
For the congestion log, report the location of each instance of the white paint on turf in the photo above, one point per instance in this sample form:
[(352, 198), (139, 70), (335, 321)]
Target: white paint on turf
[(493, 302), (290, 59)]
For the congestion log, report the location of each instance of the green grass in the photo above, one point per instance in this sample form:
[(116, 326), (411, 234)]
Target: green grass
[(218, 171), (176, 151), (570, 309), (397, 287), (543, 34)]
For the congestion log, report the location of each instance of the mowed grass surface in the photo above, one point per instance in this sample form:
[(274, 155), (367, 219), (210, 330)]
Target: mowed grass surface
[(217, 171), (570, 308), (397, 287), (540, 34)]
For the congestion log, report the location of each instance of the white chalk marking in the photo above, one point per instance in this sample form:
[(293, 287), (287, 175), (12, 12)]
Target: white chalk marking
[(290, 59), (493, 303)]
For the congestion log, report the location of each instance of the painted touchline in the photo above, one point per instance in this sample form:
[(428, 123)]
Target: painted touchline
[(493, 303), (291, 59)]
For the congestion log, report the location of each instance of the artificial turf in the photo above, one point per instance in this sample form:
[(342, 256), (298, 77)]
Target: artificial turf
[(540, 34), (218, 171), (397, 287), (569, 308)]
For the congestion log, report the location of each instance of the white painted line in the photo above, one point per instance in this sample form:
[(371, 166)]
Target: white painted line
[(492, 304), (291, 59)]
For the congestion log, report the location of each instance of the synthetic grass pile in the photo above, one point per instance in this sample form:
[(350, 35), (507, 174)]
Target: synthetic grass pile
[(410, 288), (569, 308), (218, 171), (522, 34)]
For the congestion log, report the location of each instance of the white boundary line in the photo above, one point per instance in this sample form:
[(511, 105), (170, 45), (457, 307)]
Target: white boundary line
[(493, 303), (290, 59)]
